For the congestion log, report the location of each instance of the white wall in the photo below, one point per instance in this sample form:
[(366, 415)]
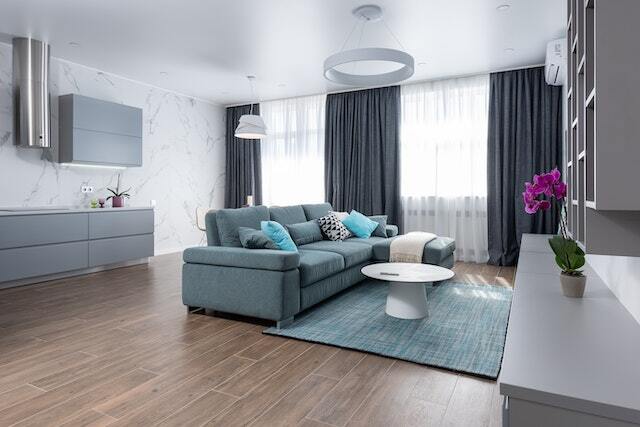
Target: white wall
[(183, 153)]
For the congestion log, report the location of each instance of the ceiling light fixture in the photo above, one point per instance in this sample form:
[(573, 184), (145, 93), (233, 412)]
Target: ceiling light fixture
[(366, 14), (503, 7), (251, 126), (74, 44), (509, 50), (164, 73)]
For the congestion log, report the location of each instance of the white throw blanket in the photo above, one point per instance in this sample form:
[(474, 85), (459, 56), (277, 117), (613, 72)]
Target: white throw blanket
[(409, 247)]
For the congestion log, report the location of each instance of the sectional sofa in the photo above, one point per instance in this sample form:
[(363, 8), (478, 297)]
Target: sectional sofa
[(274, 284)]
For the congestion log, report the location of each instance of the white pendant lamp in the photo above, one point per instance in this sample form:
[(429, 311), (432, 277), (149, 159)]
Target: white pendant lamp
[(251, 126), (402, 61)]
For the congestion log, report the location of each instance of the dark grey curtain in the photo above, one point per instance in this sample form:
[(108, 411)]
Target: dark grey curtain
[(362, 133), (525, 138), (243, 166)]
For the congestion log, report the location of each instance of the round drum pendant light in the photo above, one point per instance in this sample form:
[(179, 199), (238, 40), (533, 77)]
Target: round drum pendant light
[(405, 62)]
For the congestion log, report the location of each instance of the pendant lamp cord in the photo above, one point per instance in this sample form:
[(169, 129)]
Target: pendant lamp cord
[(355, 26), (253, 92), (392, 34)]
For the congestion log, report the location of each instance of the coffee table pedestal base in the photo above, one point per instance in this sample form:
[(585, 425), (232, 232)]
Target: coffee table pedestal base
[(407, 300)]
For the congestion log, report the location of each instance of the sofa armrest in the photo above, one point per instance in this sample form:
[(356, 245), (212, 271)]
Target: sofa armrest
[(392, 230), (261, 259)]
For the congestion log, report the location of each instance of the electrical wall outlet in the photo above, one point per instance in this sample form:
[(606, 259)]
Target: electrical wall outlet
[(86, 189)]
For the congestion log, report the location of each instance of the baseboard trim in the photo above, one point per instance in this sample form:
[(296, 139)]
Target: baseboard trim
[(65, 274)]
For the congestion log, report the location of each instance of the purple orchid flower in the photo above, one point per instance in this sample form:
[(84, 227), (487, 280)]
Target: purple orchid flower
[(550, 185)]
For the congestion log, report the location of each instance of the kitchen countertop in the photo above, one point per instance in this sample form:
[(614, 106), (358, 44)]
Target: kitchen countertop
[(45, 210)]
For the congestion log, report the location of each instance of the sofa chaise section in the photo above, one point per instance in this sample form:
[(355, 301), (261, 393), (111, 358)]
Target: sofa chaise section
[(439, 251)]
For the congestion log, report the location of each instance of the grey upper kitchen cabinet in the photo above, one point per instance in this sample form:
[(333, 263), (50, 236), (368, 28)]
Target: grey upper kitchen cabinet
[(97, 132)]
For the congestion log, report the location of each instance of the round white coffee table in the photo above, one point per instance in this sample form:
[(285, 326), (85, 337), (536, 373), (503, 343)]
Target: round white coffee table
[(407, 297)]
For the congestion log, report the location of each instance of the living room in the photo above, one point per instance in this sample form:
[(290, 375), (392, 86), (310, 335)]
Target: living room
[(319, 213)]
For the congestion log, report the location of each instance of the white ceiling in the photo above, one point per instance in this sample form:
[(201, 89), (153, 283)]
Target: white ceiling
[(207, 47)]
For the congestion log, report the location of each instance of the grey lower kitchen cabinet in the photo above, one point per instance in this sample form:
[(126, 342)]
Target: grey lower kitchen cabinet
[(41, 245), (567, 361)]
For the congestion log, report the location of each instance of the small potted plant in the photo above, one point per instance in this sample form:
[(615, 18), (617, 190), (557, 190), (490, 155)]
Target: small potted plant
[(569, 256), (117, 197)]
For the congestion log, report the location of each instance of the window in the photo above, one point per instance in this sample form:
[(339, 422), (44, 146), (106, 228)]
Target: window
[(443, 154), (293, 151)]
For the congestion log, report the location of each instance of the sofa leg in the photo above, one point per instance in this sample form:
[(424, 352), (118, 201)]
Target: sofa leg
[(284, 323), (192, 309)]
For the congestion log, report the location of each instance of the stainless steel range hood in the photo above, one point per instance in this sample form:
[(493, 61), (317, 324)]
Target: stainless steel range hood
[(31, 93)]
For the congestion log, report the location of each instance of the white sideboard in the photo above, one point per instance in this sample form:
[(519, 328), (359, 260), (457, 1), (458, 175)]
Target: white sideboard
[(567, 361)]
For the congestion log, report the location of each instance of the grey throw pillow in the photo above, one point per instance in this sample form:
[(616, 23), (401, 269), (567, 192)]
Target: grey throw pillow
[(255, 239), (304, 232), (333, 228), (381, 230)]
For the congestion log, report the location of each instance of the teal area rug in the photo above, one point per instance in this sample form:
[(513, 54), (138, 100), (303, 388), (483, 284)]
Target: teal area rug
[(465, 330)]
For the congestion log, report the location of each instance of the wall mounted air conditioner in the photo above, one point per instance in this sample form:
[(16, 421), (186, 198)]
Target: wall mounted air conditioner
[(555, 66)]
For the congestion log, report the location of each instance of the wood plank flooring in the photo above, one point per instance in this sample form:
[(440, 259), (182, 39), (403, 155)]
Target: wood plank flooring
[(118, 348)]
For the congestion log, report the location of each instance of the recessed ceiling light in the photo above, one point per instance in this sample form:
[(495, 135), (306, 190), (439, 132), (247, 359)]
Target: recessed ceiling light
[(509, 50), (503, 7), (422, 64), (74, 44), (164, 73)]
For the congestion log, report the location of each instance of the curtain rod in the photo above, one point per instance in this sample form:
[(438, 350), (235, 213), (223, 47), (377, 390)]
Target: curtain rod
[(456, 76)]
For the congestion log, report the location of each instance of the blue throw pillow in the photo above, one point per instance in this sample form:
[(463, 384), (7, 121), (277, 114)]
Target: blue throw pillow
[(278, 235), (359, 224)]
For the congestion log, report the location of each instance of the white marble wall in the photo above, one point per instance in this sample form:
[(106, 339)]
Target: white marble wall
[(183, 153)]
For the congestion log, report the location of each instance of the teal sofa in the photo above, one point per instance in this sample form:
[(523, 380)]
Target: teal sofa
[(274, 284)]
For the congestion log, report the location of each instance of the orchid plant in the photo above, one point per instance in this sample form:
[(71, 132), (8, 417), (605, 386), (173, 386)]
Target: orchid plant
[(569, 256), (117, 192)]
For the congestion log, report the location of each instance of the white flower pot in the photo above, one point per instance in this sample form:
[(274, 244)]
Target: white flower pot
[(572, 286)]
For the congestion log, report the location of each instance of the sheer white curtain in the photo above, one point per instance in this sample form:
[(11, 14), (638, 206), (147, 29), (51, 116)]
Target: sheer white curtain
[(293, 151), (444, 161)]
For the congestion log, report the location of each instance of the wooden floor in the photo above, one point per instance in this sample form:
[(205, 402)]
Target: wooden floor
[(118, 348)]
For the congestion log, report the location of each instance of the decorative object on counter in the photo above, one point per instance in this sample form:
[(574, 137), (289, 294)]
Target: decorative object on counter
[(94, 203), (102, 201), (117, 197), (569, 256)]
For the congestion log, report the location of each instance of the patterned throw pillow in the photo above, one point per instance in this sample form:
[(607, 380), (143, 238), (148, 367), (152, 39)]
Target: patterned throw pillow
[(333, 228)]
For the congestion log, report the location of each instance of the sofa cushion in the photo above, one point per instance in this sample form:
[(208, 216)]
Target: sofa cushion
[(255, 239), (353, 253), (259, 259), (434, 253), (317, 210), (211, 225), (381, 230), (286, 215), (370, 241), (280, 236), (316, 265), (438, 250), (359, 224), (332, 228), (305, 232), (392, 230), (229, 220)]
